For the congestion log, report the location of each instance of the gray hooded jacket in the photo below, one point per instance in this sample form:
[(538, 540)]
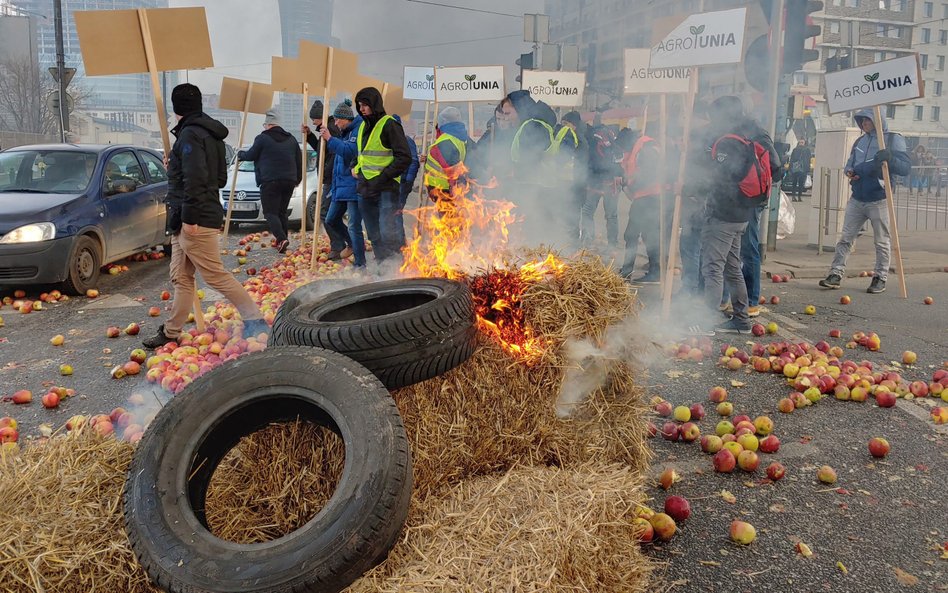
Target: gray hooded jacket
[(868, 185)]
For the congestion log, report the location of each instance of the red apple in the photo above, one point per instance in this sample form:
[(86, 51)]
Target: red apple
[(697, 412), (919, 388), (22, 396), (774, 300), (770, 444), (644, 530), (678, 508), (748, 461), (758, 329), (689, 432), (885, 399), (113, 332), (165, 295), (664, 409), (50, 400), (132, 329), (928, 300), (776, 471), (717, 394), (724, 461), (670, 431), (878, 447)]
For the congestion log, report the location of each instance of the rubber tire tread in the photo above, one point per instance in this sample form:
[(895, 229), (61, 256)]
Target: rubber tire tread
[(401, 348), (368, 517)]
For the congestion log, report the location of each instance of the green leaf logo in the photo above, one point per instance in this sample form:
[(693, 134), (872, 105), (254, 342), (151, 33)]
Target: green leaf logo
[(470, 77), (429, 77), (697, 30), (871, 77), (554, 82), (693, 29)]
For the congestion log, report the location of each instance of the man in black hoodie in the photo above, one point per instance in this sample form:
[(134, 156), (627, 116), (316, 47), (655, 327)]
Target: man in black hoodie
[(384, 157), (278, 170), (197, 170)]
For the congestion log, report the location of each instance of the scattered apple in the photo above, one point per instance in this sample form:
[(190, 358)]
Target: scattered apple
[(663, 525), (678, 508), (772, 328), (774, 300), (643, 529), (909, 357), (885, 399), (734, 447), (154, 311), (724, 427), (770, 444), (711, 443), (668, 478), (758, 329), (165, 295), (57, 340), (663, 409), (826, 474), (810, 310), (742, 533), (50, 400), (878, 447), (65, 370), (724, 461), (690, 432), (776, 471), (22, 396), (785, 405), (9, 434), (748, 461), (113, 332), (845, 299), (682, 414), (928, 300), (697, 412), (763, 425), (670, 431), (132, 329), (717, 394), (92, 293)]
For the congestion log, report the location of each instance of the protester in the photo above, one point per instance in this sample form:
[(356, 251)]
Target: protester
[(197, 170), (605, 178), (575, 174), (278, 168), (446, 155), (345, 198), (867, 202), (642, 181), (407, 184), (383, 157), (316, 117), (719, 170), (799, 169), (491, 155)]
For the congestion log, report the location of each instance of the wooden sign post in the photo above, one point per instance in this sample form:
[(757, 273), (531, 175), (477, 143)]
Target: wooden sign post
[(889, 81), (246, 97), (146, 40)]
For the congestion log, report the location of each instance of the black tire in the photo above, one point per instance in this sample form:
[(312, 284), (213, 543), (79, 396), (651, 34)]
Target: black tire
[(309, 293), (311, 210), (82, 267), (405, 331), (173, 465)]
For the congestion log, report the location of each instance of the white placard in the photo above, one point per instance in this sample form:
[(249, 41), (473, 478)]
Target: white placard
[(640, 80), (419, 83), (884, 82), (470, 83), (556, 89), (701, 40)]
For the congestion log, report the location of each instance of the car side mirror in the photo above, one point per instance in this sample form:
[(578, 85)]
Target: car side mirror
[(121, 186)]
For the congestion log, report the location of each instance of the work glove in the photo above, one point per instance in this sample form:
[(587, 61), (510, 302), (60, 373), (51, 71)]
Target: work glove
[(884, 155)]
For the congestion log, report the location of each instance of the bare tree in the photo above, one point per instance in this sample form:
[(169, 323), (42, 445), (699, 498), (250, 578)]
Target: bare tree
[(23, 92)]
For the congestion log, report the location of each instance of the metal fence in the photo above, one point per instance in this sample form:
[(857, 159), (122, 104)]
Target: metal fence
[(921, 200)]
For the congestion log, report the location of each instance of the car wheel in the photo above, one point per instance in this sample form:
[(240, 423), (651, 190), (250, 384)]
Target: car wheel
[(172, 468), (405, 331), (82, 268), (311, 211)]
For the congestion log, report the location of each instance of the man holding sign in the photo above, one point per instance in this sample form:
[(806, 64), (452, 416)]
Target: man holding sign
[(868, 200)]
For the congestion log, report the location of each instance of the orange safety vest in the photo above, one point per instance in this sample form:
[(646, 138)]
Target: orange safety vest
[(630, 166)]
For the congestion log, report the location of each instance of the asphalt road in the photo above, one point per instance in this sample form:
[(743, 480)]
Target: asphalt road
[(887, 524)]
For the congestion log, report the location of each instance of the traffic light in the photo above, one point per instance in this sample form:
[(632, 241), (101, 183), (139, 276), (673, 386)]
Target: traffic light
[(798, 30), (525, 61)]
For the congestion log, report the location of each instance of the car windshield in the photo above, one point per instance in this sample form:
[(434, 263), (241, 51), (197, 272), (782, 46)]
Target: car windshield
[(247, 166), (46, 171)]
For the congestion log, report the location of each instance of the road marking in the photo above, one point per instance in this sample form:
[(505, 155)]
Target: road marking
[(791, 323)]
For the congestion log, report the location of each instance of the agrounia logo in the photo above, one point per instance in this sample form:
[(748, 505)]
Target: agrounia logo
[(470, 83), (553, 89), (697, 40), (873, 85)]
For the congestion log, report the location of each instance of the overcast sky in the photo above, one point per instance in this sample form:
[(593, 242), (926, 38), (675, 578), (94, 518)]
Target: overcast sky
[(386, 34)]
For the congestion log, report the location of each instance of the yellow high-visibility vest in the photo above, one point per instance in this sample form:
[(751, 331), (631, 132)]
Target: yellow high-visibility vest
[(435, 175), (515, 146), (375, 156)]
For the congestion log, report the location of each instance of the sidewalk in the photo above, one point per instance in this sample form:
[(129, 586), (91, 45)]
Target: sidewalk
[(922, 251)]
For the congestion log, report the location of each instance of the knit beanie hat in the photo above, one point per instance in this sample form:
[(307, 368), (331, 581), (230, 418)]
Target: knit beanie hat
[(186, 99), (448, 115), (271, 118), (344, 110), (316, 111)]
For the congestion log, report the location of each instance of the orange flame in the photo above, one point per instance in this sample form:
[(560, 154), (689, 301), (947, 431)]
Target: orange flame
[(461, 235)]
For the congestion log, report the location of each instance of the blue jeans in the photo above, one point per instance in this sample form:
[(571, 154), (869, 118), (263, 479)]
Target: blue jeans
[(381, 224), (750, 256), (335, 226)]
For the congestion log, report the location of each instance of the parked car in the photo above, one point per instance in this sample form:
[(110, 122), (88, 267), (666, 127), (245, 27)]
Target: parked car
[(247, 208), (67, 209)]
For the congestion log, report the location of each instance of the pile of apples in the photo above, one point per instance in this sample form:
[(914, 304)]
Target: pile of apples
[(19, 301), (156, 253)]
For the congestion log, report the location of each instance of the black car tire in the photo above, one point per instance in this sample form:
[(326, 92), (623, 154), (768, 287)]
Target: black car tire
[(311, 210), (405, 331), (173, 464), (82, 267)]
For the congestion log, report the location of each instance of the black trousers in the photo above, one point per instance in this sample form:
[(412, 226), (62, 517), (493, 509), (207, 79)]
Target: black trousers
[(275, 199)]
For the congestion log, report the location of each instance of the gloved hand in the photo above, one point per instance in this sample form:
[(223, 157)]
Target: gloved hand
[(884, 155)]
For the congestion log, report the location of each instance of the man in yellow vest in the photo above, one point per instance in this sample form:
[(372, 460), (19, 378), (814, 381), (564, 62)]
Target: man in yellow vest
[(383, 157), (642, 180), (446, 157)]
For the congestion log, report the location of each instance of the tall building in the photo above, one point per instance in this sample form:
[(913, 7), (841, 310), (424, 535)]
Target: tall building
[(309, 20), (114, 93)]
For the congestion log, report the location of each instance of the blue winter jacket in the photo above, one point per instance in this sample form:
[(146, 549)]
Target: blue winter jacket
[(869, 186), (346, 150)]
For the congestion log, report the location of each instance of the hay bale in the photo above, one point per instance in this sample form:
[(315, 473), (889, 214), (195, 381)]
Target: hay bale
[(61, 527), (531, 529), (496, 410)]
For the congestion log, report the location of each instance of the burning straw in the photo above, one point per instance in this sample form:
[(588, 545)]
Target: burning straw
[(531, 529)]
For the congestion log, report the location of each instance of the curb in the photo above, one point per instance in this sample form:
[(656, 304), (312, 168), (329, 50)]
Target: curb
[(814, 273)]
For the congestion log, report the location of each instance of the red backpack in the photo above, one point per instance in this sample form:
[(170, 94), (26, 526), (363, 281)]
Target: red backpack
[(756, 179)]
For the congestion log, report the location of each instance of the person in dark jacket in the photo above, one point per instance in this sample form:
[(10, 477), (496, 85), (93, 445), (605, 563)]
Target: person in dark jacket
[(579, 172), (407, 183), (868, 200), (799, 169), (316, 117), (278, 168), (642, 181), (197, 170), (345, 198), (383, 158), (728, 210), (605, 178)]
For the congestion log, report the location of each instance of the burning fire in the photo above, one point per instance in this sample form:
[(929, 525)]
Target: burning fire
[(461, 235)]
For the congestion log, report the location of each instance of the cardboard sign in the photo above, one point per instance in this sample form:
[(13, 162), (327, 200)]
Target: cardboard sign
[(111, 41), (701, 40), (471, 83), (641, 80), (884, 82), (556, 89), (418, 83), (396, 103), (234, 95)]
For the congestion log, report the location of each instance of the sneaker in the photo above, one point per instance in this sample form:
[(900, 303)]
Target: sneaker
[(649, 278), (732, 327), (696, 330), (831, 281), (333, 255), (726, 308), (753, 311), (345, 253), (283, 245), (255, 327), (158, 340), (876, 286)]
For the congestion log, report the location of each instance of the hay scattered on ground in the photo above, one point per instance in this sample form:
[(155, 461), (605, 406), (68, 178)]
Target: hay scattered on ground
[(61, 525), (273, 482), (494, 411), (531, 529)]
